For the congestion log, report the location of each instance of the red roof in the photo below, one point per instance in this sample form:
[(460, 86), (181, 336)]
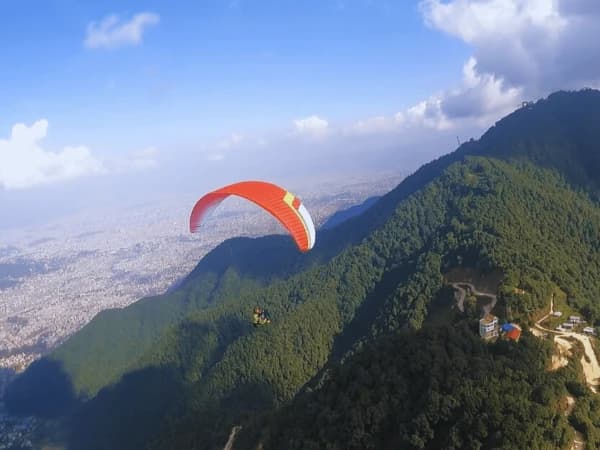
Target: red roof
[(514, 334)]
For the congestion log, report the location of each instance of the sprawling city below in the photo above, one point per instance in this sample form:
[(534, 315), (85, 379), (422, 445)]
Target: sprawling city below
[(54, 279)]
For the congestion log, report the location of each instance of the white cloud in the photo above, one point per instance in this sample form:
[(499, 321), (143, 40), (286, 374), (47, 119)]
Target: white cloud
[(379, 124), (483, 97), (219, 151), (313, 126), (235, 142), (472, 20), (231, 141), (523, 49), (112, 33), (144, 159), (428, 114), (536, 45), (24, 163), (479, 99)]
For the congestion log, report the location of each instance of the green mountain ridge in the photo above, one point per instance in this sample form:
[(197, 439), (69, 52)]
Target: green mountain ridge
[(177, 371)]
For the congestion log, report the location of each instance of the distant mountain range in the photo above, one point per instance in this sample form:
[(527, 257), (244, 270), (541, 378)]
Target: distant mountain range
[(365, 350)]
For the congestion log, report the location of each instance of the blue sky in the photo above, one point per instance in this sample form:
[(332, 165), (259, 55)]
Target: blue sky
[(211, 68), (109, 97)]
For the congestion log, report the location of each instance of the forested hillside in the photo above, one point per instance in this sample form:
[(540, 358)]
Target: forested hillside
[(483, 213), (439, 388), (178, 371)]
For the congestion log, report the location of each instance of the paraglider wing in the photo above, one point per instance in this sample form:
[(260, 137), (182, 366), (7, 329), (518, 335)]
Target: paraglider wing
[(281, 204)]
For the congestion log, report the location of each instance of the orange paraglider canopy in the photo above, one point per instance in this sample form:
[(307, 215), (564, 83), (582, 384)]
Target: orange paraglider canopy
[(281, 204)]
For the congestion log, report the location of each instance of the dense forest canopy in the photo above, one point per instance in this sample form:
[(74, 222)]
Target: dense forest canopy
[(439, 388)]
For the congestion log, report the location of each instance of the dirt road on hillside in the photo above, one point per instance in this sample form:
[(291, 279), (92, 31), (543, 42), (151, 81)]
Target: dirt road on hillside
[(591, 367), (564, 351), (462, 293)]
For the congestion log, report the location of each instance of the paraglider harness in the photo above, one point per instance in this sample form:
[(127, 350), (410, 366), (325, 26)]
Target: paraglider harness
[(259, 317)]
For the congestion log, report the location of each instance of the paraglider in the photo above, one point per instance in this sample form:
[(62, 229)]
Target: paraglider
[(259, 317), (281, 204)]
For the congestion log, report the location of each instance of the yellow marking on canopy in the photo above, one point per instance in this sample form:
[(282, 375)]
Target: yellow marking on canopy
[(289, 198)]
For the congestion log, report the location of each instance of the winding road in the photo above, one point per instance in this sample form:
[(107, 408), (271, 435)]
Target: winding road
[(462, 293)]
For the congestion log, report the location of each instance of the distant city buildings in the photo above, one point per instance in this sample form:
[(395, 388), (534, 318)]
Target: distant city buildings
[(15, 432)]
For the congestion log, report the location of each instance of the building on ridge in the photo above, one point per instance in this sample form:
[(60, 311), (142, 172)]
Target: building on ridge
[(488, 326)]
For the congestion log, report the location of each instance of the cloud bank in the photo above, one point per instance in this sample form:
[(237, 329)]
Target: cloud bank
[(522, 50), (313, 126), (112, 33), (138, 160), (25, 163)]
